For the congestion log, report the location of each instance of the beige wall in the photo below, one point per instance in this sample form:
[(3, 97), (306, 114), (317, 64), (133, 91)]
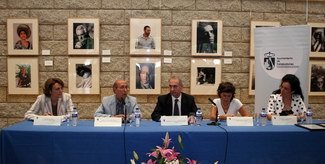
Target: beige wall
[(176, 18)]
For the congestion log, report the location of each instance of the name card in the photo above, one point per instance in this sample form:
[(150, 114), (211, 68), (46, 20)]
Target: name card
[(48, 120), (239, 121), (284, 120), (108, 121), (173, 120)]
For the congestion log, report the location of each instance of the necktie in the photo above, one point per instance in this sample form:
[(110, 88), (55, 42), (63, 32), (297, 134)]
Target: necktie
[(119, 108), (176, 109)]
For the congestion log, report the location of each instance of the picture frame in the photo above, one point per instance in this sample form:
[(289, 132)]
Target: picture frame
[(205, 76), (145, 75), (145, 45), (23, 75), (251, 86), (316, 78), (206, 37), (22, 36), (317, 39), (256, 24), (83, 75), (83, 36)]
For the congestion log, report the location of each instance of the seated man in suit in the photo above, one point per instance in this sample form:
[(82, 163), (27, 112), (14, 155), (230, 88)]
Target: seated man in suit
[(113, 106), (175, 103)]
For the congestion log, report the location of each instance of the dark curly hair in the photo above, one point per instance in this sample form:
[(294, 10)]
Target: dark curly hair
[(227, 87), (49, 84)]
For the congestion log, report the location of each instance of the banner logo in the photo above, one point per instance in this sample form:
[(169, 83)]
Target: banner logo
[(269, 60)]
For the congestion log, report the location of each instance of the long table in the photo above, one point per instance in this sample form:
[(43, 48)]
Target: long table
[(25, 143), (274, 144)]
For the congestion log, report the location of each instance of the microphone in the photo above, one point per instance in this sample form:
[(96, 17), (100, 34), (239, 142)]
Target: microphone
[(125, 112), (212, 102)]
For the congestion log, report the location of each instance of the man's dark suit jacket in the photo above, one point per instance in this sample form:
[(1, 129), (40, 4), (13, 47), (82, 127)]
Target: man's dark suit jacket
[(164, 106)]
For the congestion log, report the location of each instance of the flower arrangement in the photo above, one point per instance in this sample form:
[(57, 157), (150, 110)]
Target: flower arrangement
[(165, 155)]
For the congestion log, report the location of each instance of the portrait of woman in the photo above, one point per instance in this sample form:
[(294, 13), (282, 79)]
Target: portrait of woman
[(145, 78), (24, 33)]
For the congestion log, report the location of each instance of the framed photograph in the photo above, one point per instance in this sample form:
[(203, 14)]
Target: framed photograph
[(22, 36), (207, 37), (145, 75), (145, 36), (251, 89), (84, 75), (83, 36), (316, 78), (257, 24), (317, 39), (23, 75), (205, 76)]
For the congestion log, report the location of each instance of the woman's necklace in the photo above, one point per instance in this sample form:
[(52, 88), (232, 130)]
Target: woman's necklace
[(287, 104), (225, 107)]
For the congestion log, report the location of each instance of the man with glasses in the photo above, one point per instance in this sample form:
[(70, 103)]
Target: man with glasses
[(175, 103), (116, 105)]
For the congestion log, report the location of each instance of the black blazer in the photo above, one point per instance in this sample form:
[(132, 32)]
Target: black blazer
[(164, 106)]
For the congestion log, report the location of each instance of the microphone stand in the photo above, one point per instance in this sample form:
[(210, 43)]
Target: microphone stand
[(216, 122), (125, 112)]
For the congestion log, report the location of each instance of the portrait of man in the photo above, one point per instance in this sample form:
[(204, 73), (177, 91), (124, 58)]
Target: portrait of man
[(206, 39), (205, 75), (145, 40), (83, 79), (317, 78), (23, 76), (145, 36), (145, 78), (317, 39), (83, 35), (23, 39)]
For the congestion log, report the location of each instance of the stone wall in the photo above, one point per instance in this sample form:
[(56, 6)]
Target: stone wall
[(176, 18)]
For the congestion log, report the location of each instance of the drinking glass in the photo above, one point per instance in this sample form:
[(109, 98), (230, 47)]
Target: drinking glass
[(69, 117)]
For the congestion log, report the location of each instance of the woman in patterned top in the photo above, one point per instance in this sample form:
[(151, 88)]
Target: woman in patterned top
[(288, 100)]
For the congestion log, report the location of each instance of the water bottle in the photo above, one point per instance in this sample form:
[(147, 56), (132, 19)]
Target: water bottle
[(137, 115), (74, 115), (198, 116), (309, 116), (263, 117)]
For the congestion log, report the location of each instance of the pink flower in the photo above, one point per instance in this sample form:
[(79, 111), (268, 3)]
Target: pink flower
[(151, 162), (153, 154), (189, 161), (165, 155), (166, 140)]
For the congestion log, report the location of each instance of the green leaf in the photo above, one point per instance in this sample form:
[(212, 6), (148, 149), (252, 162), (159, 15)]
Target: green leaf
[(135, 155), (179, 139)]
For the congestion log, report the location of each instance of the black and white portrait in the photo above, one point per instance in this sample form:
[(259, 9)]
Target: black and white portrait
[(205, 75), (83, 35), (317, 77), (207, 37), (317, 39), (83, 79)]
